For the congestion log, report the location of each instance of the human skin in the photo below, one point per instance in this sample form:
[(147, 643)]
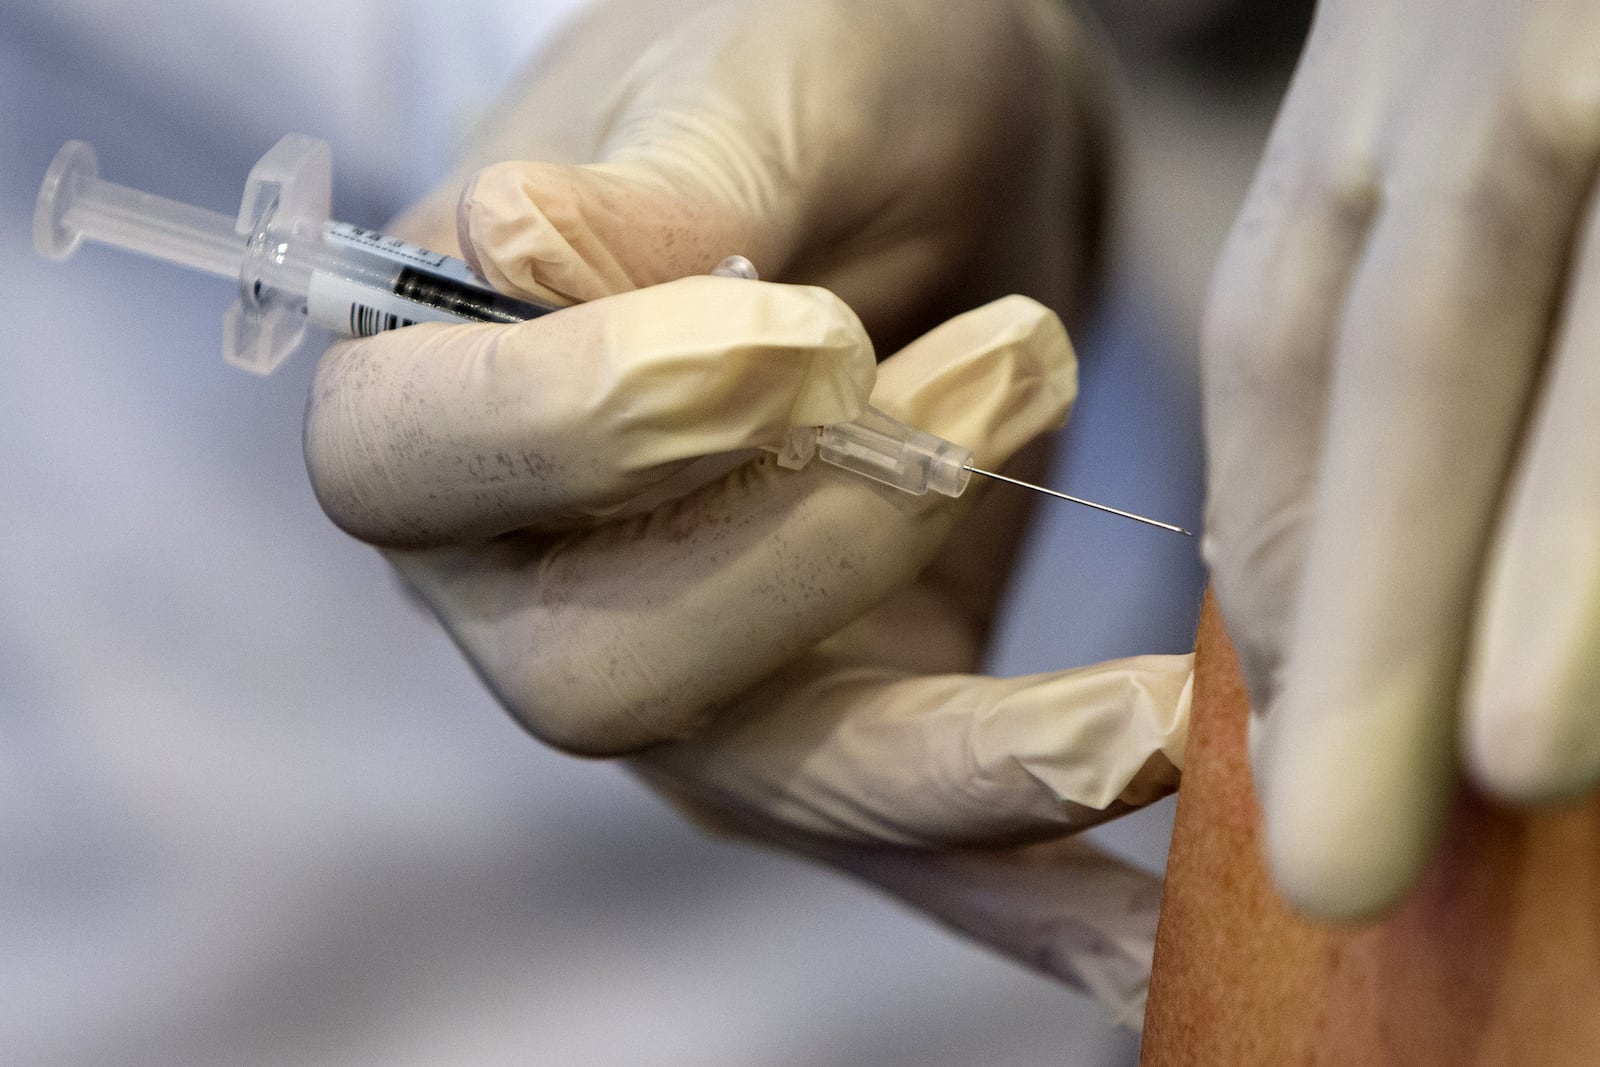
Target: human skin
[(1493, 959)]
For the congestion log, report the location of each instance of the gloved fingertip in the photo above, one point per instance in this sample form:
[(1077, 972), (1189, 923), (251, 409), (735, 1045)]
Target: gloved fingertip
[(1529, 732), (1325, 882), (706, 365), (578, 233), (1335, 893), (1511, 756), (1526, 737), (991, 379), (469, 250), (842, 368), (507, 235), (1347, 829)]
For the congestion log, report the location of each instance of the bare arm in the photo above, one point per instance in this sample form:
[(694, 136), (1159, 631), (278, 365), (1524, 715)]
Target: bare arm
[(1495, 959)]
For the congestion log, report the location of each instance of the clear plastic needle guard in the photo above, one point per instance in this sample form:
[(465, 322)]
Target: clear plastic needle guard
[(296, 267)]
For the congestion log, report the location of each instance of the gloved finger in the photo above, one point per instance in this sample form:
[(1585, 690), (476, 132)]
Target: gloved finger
[(1441, 339), (862, 753), (829, 141), (1532, 728), (1270, 321), (435, 434), (614, 638)]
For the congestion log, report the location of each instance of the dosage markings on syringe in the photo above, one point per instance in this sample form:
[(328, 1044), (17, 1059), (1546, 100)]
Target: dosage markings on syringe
[(388, 247)]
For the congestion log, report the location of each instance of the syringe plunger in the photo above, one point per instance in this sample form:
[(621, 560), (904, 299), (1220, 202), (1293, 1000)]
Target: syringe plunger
[(75, 202)]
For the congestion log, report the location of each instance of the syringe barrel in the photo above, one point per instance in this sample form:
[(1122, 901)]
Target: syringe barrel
[(359, 282)]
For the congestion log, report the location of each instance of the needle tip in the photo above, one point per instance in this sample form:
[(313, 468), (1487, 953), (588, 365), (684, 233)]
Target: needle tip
[(1079, 500)]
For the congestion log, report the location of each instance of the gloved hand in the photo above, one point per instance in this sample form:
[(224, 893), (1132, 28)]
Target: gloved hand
[(1401, 388), (779, 651)]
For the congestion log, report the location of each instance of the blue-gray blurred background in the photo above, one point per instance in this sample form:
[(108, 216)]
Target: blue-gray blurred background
[(255, 810)]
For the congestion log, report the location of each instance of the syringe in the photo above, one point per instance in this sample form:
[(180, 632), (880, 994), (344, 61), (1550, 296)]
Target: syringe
[(295, 267)]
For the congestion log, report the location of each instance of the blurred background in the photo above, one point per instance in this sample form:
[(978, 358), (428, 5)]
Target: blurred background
[(253, 807)]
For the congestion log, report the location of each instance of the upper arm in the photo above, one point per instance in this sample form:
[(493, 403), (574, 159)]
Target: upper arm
[(1494, 959)]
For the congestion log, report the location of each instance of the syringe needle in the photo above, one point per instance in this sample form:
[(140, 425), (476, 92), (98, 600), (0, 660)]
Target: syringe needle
[(1077, 500)]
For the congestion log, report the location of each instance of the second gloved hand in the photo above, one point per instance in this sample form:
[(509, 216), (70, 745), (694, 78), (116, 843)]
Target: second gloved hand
[(1403, 433)]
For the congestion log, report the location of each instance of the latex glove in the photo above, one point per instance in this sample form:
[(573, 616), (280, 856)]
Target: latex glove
[(777, 645), (755, 639), (1401, 391), (916, 158)]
